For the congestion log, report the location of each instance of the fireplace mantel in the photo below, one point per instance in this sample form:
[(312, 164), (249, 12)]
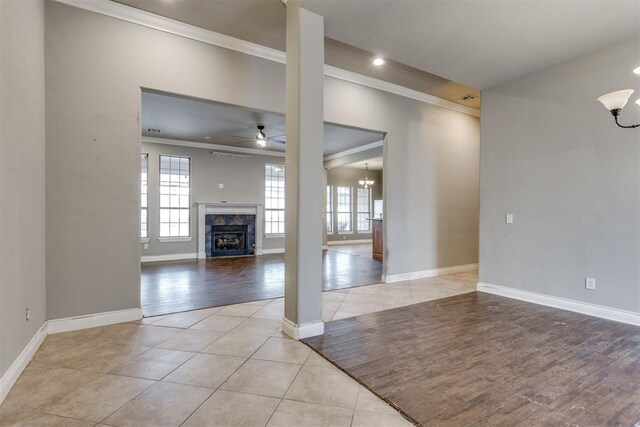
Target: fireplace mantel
[(230, 208)]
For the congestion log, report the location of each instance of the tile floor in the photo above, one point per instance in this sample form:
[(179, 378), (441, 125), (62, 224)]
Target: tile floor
[(225, 366)]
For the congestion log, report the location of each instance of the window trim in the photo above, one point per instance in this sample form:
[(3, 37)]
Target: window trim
[(370, 230), (144, 239), (170, 239), (329, 213), (350, 209), (273, 235)]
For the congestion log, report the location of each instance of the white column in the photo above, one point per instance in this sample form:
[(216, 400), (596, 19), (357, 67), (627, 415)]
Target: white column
[(303, 242)]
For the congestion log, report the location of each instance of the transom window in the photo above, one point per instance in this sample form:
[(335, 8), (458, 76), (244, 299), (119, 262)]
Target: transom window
[(174, 196), (274, 199), (364, 209), (144, 222), (329, 210), (344, 209)]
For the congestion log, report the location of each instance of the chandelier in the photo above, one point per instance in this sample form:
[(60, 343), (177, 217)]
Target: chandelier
[(366, 182)]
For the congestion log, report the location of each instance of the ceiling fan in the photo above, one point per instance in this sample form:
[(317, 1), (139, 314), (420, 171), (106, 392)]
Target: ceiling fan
[(261, 137)]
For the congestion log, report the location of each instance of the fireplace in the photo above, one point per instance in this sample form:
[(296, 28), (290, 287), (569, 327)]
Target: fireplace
[(230, 235), (229, 240)]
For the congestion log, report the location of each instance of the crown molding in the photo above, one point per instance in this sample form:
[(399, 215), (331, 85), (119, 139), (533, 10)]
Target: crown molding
[(355, 150), (207, 146), (157, 22)]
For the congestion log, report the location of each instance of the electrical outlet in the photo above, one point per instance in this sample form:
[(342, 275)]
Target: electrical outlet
[(146, 246), (26, 314), (590, 283), (220, 185), (508, 218)]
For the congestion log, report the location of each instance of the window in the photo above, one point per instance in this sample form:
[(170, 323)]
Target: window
[(344, 209), (274, 199), (329, 210), (364, 209), (144, 222), (174, 196)]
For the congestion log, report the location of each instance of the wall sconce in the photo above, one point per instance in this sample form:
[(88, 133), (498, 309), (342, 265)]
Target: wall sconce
[(615, 102)]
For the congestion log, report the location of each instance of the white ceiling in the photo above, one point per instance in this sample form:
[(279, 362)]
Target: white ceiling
[(189, 119), (479, 42), (476, 42), (375, 164)]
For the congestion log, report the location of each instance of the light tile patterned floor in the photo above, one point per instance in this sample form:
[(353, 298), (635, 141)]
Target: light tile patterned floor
[(226, 366)]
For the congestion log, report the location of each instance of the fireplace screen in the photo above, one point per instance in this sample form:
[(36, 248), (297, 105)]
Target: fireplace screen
[(229, 240)]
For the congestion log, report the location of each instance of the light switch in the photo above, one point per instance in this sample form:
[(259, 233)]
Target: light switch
[(509, 218), (220, 185), (146, 246), (590, 283)]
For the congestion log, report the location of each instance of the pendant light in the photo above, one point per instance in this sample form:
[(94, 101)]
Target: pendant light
[(366, 182)]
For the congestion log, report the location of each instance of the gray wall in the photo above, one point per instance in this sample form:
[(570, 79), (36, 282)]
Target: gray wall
[(349, 177), (243, 180), (95, 68), (22, 185), (552, 156)]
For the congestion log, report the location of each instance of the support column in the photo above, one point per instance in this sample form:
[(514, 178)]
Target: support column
[(303, 241)]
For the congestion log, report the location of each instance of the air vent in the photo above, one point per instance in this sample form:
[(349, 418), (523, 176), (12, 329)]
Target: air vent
[(153, 130), (467, 97)]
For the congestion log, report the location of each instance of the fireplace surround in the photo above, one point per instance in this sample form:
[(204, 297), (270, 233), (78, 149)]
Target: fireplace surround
[(215, 218)]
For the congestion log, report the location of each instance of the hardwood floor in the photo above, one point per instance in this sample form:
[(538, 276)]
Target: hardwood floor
[(173, 286), (481, 359)]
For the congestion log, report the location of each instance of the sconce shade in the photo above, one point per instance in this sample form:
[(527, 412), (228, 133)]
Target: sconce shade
[(616, 100)]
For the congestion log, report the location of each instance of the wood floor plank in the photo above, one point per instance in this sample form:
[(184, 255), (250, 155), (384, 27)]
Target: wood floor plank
[(481, 359), (173, 286)]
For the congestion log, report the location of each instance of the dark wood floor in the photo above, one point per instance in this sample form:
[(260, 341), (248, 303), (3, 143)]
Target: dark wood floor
[(173, 286), (480, 359)]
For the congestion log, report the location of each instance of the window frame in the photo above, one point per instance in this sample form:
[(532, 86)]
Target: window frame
[(367, 212), (144, 195), (329, 210), (350, 212), (169, 239), (271, 235)]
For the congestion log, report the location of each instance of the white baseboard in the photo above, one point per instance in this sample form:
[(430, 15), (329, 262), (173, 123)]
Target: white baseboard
[(169, 257), (272, 251), (12, 374), (348, 242), (306, 330), (609, 313), (401, 277), (93, 320)]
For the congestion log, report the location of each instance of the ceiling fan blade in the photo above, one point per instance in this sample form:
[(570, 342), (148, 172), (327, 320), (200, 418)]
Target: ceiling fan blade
[(277, 140)]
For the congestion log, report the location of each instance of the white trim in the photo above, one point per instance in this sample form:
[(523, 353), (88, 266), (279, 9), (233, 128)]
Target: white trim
[(401, 277), (229, 208), (174, 239), (157, 22), (609, 313), (306, 330), (345, 232), (144, 240), (354, 150), (9, 378), (168, 257), (93, 320), (274, 236), (272, 251), (325, 247), (207, 146), (348, 242)]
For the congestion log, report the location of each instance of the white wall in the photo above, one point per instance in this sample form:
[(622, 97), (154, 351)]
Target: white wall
[(95, 68), (243, 180), (552, 156), (22, 186)]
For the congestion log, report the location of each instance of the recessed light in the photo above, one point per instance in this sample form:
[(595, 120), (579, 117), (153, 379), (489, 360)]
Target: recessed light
[(207, 137), (377, 61), (637, 71), (638, 101)]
